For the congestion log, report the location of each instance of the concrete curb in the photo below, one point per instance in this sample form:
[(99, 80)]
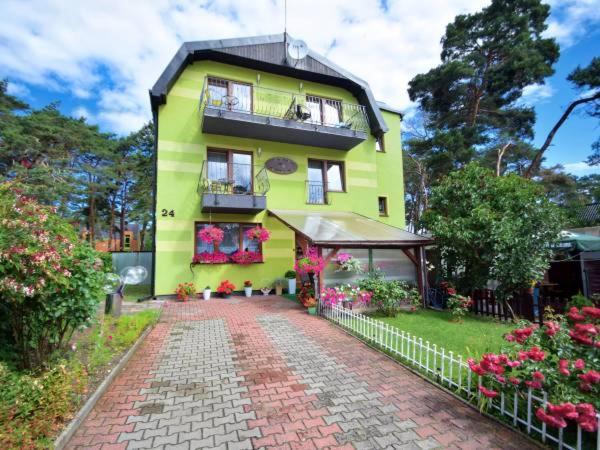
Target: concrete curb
[(66, 435)]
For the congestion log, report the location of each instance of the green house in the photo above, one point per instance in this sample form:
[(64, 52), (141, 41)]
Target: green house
[(263, 132)]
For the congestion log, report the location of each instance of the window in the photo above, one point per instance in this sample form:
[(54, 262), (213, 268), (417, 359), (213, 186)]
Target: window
[(231, 95), (325, 111), (379, 144), (323, 177), (234, 239), (383, 208), (229, 172)]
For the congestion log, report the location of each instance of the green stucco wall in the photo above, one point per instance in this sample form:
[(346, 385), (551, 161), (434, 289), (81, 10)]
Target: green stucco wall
[(182, 148)]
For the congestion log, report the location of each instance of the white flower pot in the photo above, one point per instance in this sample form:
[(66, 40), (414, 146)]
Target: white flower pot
[(206, 294), (291, 285), (248, 291)]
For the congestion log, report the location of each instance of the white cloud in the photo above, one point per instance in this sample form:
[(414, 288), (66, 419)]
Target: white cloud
[(580, 168), (17, 89), (80, 112), (536, 93), (572, 19), (113, 51)]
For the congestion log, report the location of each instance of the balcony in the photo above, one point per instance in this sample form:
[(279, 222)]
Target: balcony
[(242, 110), (233, 188)]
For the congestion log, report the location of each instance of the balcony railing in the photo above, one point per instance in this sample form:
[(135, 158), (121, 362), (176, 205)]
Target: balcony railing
[(233, 187), (266, 102), (316, 193)]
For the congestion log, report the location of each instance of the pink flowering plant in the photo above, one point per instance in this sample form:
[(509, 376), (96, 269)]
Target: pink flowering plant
[(459, 306), (312, 263), (561, 357), (345, 293), (211, 235), (210, 258), (50, 282), (347, 263), (245, 257), (258, 234)]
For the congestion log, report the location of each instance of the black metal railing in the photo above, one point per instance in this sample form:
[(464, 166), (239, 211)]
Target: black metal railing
[(233, 179), (229, 96)]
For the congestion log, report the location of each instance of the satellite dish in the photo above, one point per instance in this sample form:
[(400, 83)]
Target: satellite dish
[(297, 50)]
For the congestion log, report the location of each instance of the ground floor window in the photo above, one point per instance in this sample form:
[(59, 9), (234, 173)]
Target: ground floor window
[(235, 246)]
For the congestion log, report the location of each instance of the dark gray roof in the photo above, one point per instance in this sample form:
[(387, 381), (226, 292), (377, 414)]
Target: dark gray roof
[(386, 107), (267, 53), (589, 214)]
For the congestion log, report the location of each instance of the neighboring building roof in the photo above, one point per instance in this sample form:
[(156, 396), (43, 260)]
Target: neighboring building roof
[(386, 107), (589, 214), (347, 229), (267, 53), (579, 241)]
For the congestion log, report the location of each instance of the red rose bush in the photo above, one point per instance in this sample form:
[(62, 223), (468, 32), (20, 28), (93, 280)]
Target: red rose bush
[(561, 357)]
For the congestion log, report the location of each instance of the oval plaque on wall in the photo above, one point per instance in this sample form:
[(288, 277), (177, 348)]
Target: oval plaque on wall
[(281, 165)]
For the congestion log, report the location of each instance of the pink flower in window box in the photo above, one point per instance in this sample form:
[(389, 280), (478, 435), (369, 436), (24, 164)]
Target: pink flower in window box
[(210, 258), (211, 235), (245, 257)]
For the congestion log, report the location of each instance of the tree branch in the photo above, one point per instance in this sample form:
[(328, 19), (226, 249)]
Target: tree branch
[(537, 160)]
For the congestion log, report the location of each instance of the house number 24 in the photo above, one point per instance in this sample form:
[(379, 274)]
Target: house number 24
[(166, 213)]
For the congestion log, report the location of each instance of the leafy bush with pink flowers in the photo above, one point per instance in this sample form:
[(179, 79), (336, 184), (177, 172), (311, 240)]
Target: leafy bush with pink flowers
[(50, 281), (245, 257), (347, 292), (561, 357)]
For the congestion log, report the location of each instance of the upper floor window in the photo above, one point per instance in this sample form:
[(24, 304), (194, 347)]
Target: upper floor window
[(379, 144), (229, 172), (323, 177), (325, 111), (383, 206), (231, 95)]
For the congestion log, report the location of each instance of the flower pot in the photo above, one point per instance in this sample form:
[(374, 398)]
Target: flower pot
[(248, 291), (278, 289), (312, 310), (206, 294), (291, 285)]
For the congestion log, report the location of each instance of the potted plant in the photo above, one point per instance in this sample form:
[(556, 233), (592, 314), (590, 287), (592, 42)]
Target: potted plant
[(248, 288), (226, 288), (290, 276), (311, 306), (279, 287), (206, 293), (347, 263), (184, 291), (211, 235), (258, 234)]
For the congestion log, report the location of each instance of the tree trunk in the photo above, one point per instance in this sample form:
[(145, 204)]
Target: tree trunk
[(537, 160), (501, 152)]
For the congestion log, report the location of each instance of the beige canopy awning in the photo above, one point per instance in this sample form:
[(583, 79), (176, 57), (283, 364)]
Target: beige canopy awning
[(347, 229)]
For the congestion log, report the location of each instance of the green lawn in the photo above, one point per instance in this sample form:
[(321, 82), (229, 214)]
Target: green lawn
[(470, 338)]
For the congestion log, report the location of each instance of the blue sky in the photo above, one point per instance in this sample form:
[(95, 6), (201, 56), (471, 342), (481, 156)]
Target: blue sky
[(100, 58)]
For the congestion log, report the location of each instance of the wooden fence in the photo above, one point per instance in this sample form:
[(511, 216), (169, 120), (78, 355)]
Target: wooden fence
[(522, 304)]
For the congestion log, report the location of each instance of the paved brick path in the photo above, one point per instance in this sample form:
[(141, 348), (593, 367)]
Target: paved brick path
[(261, 373)]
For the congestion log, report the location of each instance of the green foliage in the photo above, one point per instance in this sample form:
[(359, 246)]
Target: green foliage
[(578, 301), (492, 228), (389, 295), (34, 406), (50, 283), (290, 274), (459, 306)]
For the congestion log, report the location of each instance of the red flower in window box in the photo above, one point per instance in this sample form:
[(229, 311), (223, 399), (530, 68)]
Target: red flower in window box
[(211, 235), (258, 234), (210, 258), (245, 257)]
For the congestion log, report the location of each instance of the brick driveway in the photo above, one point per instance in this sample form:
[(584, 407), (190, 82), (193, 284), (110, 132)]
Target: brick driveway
[(261, 373)]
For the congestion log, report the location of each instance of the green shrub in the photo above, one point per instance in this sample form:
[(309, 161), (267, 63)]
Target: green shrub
[(34, 407), (578, 301), (290, 274), (389, 295), (50, 282)]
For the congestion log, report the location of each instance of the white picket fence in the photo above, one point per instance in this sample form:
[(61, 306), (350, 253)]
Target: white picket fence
[(451, 371)]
